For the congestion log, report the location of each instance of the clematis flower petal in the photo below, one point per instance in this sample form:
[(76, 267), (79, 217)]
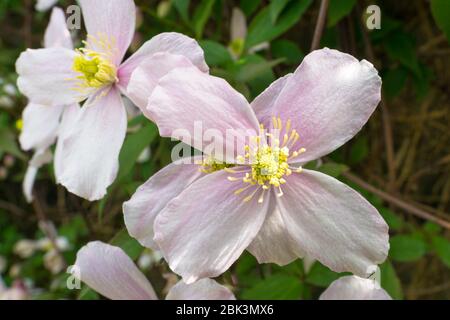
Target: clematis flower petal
[(145, 77), (333, 223), (190, 99), (41, 157), (115, 19), (329, 98), (90, 152), (151, 197), (45, 76), (109, 271), (57, 34), (68, 119), (354, 288), (205, 229), (40, 126), (273, 244), (44, 5), (168, 42), (204, 289)]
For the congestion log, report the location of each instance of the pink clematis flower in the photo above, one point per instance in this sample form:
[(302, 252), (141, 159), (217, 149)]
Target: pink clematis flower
[(261, 199), (43, 124), (354, 288), (109, 271), (56, 76)]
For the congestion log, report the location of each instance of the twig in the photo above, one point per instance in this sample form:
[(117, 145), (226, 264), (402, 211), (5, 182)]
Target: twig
[(396, 201), (320, 24)]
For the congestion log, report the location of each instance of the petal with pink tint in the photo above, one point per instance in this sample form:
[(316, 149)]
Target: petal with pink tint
[(145, 77), (273, 244), (44, 5), (151, 197), (109, 271), (328, 99), (57, 34), (90, 152), (115, 19), (40, 126), (46, 76), (207, 227), (168, 42), (354, 288), (332, 223), (40, 158), (189, 100), (204, 289)]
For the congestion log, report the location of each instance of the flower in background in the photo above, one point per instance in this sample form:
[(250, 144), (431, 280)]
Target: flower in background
[(17, 291), (95, 73), (260, 199), (354, 288), (44, 5), (43, 124), (109, 271)]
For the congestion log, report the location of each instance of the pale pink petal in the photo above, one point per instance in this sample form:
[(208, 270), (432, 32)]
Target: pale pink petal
[(57, 34), (264, 103), (40, 126), (169, 42), (328, 99), (44, 5), (90, 152), (204, 289), (151, 197), (46, 76), (205, 229), (273, 244), (115, 19), (333, 223), (109, 271), (41, 157), (238, 26), (145, 77), (190, 100), (68, 119), (354, 288)]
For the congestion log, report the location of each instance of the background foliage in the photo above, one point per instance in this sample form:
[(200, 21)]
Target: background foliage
[(400, 162)]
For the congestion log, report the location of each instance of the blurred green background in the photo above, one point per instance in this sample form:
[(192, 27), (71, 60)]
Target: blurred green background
[(400, 161)]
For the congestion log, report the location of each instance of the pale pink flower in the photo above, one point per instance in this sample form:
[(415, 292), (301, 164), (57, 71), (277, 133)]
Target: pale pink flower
[(43, 124), (110, 271), (44, 5), (354, 288), (203, 222), (57, 76)]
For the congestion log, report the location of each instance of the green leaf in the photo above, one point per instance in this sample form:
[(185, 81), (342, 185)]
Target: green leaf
[(288, 50), (394, 80), (254, 68), (128, 244), (201, 16), (400, 47), (390, 281), (338, 9), (134, 145), (333, 169), (8, 143), (249, 6), (276, 6), (406, 248), (442, 248), (275, 287), (321, 276), (393, 220), (359, 150), (262, 29), (441, 13), (182, 7), (215, 53)]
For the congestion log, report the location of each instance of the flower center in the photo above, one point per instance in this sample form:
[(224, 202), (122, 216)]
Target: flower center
[(269, 160), (210, 165), (96, 71)]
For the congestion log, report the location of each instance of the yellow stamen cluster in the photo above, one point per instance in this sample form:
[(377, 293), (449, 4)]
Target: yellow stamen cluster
[(269, 160), (210, 165)]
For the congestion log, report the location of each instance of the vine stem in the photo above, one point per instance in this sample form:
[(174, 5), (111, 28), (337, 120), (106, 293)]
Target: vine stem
[(320, 24)]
